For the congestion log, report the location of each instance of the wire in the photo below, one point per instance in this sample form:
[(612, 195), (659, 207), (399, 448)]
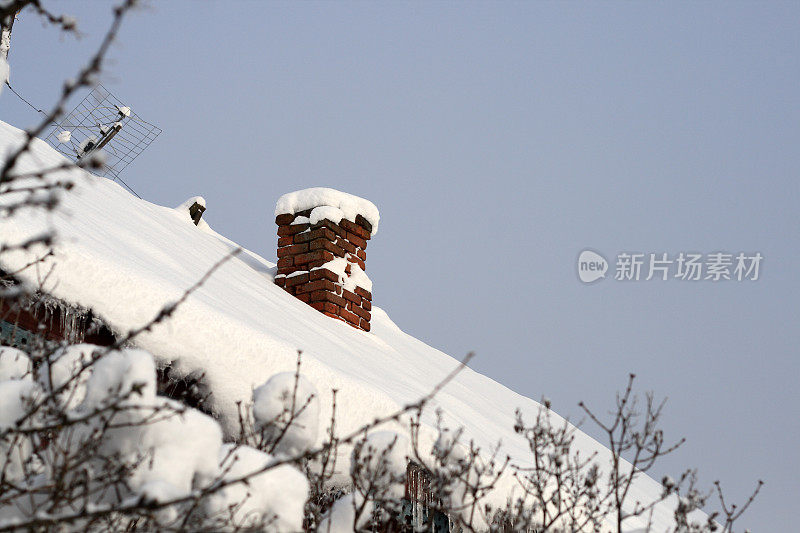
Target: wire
[(128, 187), (23, 99)]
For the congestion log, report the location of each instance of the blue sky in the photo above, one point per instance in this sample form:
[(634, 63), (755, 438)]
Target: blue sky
[(499, 140)]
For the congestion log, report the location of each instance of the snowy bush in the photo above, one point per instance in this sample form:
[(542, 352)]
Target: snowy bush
[(117, 456), (274, 499), (286, 414)]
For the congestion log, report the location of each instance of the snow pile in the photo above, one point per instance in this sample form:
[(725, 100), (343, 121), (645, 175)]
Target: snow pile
[(184, 207), (15, 395), (286, 410), (276, 497), (61, 370), (348, 205), (380, 459), (326, 212), (14, 364), (340, 266), (129, 374), (126, 258)]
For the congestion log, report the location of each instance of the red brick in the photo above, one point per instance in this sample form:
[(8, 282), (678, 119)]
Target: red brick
[(352, 297), (292, 250), (286, 270), (357, 310), (355, 229), (357, 261), (325, 296), (319, 233), (330, 225), (347, 269), (366, 304), (315, 264), (285, 262), (356, 240), (361, 254), (364, 325), (284, 219), (347, 245), (364, 223), (280, 281), (299, 279), (323, 273), (316, 255), (320, 284), (292, 229), (325, 307), (286, 241), (333, 315), (349, 316), (304, 212), (303, 297), (364, 293), (325, 244)]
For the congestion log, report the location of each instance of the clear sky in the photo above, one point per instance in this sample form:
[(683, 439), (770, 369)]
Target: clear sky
[(499, 140)]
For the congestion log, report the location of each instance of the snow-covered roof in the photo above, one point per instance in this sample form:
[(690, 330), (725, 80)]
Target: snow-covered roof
[(125, 258)]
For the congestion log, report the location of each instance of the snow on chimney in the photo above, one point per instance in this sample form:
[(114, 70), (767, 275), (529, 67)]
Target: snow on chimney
[(322, 242)]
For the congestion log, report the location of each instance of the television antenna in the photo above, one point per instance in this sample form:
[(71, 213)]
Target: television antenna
[(102, 122)]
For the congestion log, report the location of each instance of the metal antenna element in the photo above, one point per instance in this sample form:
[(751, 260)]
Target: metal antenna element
[(101, 122)]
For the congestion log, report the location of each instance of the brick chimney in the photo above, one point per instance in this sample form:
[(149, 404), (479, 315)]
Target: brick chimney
[(322, 242)]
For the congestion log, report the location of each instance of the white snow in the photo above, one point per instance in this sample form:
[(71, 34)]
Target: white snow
[(288, 411), (128, 374), (14, 396), (183, 209), (64, 136), (125, 111), (342, 514), (326, 212), (3, 71), (356, 278), (349, 205), (276, 496), (382, 457), (14, 364), (125, 258), (181, 445), (176, 450), (378, 469), (64, 368)]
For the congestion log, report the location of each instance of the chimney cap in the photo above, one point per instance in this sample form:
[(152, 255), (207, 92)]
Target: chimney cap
[(350, 205)]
